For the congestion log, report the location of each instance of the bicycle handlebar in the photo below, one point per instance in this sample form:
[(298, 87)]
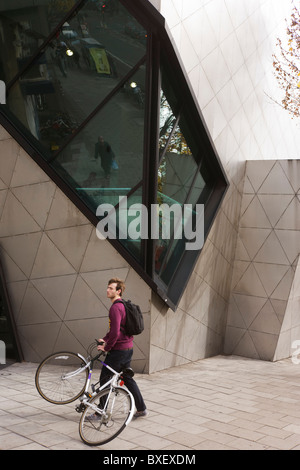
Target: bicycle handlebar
[(125, 371), (94, 358)]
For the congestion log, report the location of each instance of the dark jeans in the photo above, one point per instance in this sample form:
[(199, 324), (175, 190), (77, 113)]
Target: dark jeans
[(119, 360)]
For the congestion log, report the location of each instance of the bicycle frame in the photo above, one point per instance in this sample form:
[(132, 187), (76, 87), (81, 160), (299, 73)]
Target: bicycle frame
[(88, 365), (111, 384), (103, 406), (113, 380)]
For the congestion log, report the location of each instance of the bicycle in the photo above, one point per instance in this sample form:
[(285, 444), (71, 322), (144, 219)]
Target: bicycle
[(63, 377)]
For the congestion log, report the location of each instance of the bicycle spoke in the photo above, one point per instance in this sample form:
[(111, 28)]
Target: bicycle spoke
[(112, 420), (60, 378)]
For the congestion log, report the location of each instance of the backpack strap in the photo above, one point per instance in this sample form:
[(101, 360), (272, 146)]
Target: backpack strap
[(120, 301)]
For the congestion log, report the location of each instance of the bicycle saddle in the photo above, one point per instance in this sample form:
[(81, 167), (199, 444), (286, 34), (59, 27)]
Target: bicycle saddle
[(128, 372)]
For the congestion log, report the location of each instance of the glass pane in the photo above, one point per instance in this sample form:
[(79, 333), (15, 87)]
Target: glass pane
[(125, 222), (77, 71), (196, 190), (24, 27), (113, 138), (109, 23), (167, 121), (179, 183), (168, 253), (131, 220), (177, 169)]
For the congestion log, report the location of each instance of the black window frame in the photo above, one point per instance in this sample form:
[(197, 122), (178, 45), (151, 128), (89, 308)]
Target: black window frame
[(160, 50)]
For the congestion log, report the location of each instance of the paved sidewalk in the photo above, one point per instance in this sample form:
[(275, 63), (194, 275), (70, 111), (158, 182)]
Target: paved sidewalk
[(217, 403)]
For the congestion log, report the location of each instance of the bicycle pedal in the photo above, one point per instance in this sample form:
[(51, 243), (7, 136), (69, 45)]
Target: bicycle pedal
[(80, 408)]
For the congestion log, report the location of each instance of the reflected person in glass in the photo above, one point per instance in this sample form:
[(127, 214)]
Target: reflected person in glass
[(104, 150)]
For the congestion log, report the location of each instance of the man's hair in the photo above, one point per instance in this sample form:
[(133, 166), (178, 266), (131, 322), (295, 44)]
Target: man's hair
[(119, 282)]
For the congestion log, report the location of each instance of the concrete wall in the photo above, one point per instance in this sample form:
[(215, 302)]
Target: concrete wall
[(226, 47), (264, 312)]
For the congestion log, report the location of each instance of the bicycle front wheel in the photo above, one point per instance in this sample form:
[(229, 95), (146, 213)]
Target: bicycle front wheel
[(61, 378), (116, 407)]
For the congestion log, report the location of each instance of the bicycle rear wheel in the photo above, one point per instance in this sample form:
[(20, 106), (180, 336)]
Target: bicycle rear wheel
[(117, 411), (60, 378)]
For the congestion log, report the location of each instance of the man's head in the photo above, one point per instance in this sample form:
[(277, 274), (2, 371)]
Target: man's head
[(115, 288)]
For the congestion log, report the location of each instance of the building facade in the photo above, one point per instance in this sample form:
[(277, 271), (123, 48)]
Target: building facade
[(198, 126)]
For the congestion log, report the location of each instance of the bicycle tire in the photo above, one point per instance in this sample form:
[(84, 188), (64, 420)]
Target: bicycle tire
[(95, 433), (51, 382)]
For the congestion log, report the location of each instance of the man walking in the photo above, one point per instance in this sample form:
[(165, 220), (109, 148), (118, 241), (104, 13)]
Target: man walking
[(104, 150), (118, 345)]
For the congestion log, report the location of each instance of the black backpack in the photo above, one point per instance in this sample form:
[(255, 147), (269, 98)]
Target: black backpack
[(134, 324)]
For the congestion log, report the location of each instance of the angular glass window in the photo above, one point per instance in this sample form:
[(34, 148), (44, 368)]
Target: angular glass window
[(81, 100), (97, 96), (105, 158), (178, 189), (190, 183), (80, 67)]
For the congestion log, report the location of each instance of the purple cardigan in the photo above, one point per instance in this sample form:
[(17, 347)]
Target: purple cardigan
[(115, 338)]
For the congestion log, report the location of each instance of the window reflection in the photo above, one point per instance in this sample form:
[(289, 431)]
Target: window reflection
[(24, 28), (167, 120), (180, 182), (177, 168), (105, 159), (78, 69), (131, 221)]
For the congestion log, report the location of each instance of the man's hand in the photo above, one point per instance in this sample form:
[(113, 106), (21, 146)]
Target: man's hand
[(101, 345)]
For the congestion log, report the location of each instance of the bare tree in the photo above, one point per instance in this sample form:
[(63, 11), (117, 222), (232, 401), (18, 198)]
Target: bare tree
[(287, 64)]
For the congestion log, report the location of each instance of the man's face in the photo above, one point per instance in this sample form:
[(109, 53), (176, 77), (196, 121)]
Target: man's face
[(111, 291)]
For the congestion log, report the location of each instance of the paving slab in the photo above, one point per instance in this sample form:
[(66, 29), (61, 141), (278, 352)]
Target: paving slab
[(219, 403)]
